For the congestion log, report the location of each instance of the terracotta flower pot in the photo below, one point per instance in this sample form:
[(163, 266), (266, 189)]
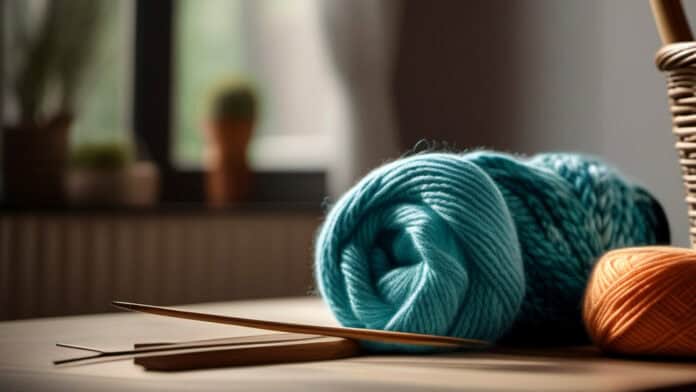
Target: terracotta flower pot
[(34, 159), (134, 185), (228, 178)]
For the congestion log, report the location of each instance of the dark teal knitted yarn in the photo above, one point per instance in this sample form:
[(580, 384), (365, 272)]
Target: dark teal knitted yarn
[(480, 245)]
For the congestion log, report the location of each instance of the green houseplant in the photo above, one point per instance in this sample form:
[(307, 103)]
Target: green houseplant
[(97, 174), (106, 174)]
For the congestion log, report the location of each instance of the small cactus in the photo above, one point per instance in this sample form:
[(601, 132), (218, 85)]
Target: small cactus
[(233, 101)]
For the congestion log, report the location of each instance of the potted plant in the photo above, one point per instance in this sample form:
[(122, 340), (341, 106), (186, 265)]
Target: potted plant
[(97, 174), (228, 127), (105, 174), (44, 73)]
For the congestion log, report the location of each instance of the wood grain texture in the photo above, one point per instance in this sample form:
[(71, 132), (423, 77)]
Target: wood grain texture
[(28, 346)]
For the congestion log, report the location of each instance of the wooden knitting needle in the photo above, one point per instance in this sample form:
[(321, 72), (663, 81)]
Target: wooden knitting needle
[(317, 348), (671, 21), (196, 346), (374, 335)]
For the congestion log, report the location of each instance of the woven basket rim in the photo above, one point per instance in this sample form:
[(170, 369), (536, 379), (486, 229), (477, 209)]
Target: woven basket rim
[(676, 55)]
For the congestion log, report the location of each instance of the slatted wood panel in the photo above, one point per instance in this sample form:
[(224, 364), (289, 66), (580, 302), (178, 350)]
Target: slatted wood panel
[(58, 264)]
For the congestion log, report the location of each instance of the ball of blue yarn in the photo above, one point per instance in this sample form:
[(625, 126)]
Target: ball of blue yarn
[(481, 245)]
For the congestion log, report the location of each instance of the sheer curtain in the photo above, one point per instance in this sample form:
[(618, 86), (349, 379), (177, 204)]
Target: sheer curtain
[(301, 104), (362, 36)]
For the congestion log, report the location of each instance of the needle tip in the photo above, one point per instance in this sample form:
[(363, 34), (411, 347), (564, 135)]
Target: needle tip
[(121, 304)]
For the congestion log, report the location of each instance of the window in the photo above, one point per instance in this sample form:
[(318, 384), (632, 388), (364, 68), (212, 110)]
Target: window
[(207, 48), (157, 60), (284, 172), (103, 96), (277, 44), (103, 106)]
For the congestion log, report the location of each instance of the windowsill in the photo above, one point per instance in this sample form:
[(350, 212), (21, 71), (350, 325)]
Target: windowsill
[(165, 209), (183, 191), (285, 187)]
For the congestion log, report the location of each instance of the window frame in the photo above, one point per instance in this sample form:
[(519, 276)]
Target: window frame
[(153, 86)]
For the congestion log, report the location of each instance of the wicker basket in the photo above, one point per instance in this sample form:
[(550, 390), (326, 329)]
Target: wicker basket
[(677, 58)]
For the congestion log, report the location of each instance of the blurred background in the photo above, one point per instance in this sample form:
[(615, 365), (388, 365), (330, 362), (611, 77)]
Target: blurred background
[(179, 151)]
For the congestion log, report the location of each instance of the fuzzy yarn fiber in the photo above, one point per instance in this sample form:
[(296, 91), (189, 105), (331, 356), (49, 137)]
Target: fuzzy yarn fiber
[(480, 245)]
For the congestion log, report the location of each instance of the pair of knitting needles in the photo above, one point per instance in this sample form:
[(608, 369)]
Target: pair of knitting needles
[(294, 333)]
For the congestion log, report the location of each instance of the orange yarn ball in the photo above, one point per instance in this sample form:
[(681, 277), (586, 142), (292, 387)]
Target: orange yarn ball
[(642, 301)]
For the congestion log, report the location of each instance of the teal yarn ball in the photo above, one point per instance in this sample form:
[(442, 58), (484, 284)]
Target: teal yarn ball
[(481, 245)]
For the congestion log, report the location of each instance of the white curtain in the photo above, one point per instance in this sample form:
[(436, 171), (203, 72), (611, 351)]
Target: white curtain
[(362, 37)]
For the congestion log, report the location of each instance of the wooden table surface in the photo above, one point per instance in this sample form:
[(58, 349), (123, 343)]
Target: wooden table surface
[(27, 349)]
